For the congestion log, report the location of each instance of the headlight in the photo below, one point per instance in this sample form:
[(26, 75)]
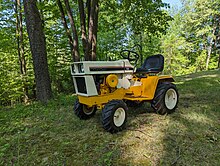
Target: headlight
[(81, 68), (73, 69)]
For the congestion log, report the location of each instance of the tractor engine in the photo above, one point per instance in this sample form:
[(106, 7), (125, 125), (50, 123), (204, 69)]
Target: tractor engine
[(107, 84), (92, 78)]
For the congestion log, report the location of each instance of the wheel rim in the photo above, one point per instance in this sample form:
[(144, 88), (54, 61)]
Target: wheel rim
[(171, 99), (88, 110), (119, 117)]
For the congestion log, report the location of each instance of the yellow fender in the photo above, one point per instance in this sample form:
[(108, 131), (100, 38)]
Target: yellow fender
[(150, 85), (148, 88)]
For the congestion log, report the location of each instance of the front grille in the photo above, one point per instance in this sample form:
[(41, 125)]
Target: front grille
[(81, 84)]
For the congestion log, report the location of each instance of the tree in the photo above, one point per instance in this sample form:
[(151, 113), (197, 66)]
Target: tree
[(129, 23), (38, 50), (74, 31), (12, 81), (73, 39), (80, 20), (202, 25), (137, 17), (89, 40), (88, 33), (20, 47)]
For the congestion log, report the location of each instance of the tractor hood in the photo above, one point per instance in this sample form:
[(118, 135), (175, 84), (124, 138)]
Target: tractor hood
[(102, 67)]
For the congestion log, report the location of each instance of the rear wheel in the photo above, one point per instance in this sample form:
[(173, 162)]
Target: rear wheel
[(114, 116), (83, 111), (165, 99)]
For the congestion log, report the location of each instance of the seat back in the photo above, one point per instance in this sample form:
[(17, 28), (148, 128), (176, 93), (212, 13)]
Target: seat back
[(152, 64)]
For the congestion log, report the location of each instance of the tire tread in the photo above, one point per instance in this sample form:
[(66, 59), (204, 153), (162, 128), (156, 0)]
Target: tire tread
[(78, 110), (158, 103), (108, 113)]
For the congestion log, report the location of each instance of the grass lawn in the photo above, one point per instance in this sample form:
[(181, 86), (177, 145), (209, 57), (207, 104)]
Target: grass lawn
[(52, 135)]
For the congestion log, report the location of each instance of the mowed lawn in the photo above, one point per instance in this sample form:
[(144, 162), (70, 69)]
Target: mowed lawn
[(51, 134)]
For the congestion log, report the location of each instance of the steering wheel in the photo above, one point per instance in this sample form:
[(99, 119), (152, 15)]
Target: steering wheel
[(130, 55)]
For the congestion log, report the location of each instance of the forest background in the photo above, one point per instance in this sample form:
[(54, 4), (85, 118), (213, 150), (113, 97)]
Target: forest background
[(188, 37)]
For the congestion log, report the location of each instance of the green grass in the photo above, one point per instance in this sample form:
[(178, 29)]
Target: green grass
[(52, 135)]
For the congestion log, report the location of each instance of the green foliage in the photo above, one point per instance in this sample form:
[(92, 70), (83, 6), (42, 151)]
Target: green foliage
[(58, 51), (12, 82), (200, 61), (145, 16), (10, 87), (190, 42), (185, 40), (123, 24)]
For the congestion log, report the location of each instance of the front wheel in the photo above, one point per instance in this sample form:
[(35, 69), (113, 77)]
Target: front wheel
[(114, 116), (83, 111), (166, 98)]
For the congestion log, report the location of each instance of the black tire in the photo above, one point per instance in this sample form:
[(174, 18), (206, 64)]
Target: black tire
[(82, 111), (114, 116), (134, 103), (163, 90)]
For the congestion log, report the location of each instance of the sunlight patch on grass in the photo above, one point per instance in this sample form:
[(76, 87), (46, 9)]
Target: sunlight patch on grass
[(188, 79), (198, 118), (211, 76), (179, 83), (143, 144)]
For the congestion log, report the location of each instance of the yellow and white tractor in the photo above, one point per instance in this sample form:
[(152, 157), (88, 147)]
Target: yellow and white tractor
[(113, 86)]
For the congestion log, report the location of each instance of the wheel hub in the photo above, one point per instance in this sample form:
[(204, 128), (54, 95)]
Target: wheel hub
[(171, 99), (88, 110), (119, 117)]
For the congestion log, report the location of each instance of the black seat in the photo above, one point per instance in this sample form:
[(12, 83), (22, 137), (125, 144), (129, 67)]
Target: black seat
[(152, 64)]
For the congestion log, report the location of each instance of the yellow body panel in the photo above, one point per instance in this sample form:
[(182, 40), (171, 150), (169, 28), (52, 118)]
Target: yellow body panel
[(149, 86), (102, 99), (136, 91), (147, 90), (143, 92)]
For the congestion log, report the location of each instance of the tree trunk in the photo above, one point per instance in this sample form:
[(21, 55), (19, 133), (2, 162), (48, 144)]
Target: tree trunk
[(20, 47), (62, 14), (17, 33), (38, 50), (218, 52), (92, 31), (209, 54), (88, 5), (83, 24), (94, 38), (75, 36), (210, 47), (217, 45), (23, 61)]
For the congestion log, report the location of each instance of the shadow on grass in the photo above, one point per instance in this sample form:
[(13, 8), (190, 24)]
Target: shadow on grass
[(53, 135), (193, 133)]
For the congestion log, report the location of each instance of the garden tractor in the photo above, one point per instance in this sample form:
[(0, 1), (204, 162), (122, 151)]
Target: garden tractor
[(113, 86)]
